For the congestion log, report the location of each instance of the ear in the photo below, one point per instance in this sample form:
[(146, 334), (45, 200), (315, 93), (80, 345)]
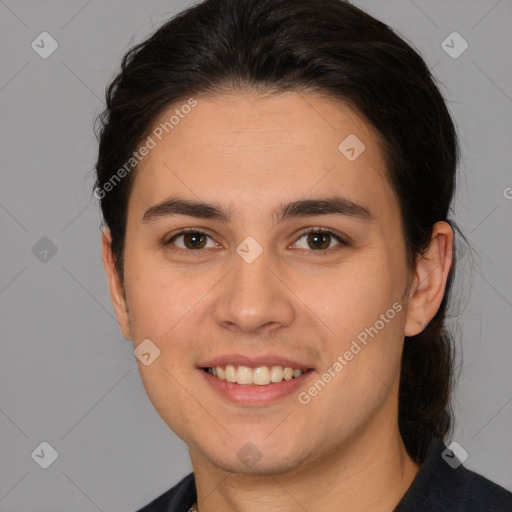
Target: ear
[(116, 289), (429, 281)]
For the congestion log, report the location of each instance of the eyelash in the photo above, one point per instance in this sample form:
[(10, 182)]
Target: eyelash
[(316, 230)]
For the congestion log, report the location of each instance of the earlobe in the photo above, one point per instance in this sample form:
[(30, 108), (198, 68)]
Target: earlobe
[(431, 274), (115, 287)]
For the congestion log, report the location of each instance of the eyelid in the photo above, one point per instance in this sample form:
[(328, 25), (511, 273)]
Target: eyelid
[(341, 239), (167, 240)]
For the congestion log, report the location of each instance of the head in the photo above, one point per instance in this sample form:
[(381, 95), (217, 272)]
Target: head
[(242, 106)]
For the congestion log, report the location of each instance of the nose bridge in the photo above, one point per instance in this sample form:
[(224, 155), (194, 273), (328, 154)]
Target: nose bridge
[(252, 295)]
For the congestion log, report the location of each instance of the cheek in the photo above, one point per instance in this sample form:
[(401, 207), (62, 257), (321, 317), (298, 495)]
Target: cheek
[(352, 296), (164, 308), (179, 407), (159, 297), (363, 309), (166, 301)]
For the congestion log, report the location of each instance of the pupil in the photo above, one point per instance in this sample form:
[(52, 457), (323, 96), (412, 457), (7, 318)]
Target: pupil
[(316, 237), (318, 240), (193, 236)]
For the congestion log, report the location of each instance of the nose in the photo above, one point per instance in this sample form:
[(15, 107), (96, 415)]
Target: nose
[(254, 297)]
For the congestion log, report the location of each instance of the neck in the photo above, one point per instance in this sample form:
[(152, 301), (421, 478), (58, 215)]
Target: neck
[(370, 472)]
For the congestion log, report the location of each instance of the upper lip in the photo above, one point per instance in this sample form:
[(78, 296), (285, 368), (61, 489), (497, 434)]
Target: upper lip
[(253, 362)]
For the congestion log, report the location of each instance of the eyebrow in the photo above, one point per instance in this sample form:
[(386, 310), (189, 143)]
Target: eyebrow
[(335, 205)]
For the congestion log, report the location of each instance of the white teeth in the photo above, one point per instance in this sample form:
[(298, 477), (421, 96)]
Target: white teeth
[(261, 375), (230, 373), (288, 373), (244, 375), (276, 374)]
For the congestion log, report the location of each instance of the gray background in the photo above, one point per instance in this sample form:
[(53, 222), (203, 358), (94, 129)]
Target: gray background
[(67, 376)]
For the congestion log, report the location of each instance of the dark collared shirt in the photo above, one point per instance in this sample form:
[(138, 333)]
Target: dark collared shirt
[(437, 487)]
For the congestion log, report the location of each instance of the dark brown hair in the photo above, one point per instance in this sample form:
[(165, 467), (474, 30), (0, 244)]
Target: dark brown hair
[(324, 46)]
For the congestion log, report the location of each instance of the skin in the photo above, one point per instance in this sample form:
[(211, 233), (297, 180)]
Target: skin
[(342, 451)]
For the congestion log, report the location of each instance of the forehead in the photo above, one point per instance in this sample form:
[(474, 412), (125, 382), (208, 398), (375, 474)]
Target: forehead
[(253, 150)]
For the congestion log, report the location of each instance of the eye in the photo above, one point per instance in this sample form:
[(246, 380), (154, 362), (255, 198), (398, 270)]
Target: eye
[(320, 239), (193, 239)]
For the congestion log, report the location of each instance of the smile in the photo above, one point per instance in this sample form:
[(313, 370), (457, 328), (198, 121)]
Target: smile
[(261, 375)]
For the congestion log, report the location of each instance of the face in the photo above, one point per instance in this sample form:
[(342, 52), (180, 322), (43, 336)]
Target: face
[(318, 286)]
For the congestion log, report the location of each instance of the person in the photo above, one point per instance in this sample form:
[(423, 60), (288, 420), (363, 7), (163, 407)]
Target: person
[(275, 178)]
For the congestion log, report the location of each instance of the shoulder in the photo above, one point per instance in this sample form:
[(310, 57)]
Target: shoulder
[(477, 493), (178, 498), (443, 487)]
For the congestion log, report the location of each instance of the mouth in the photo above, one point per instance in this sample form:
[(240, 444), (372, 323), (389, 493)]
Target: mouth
[(255, 386), (257, 376)]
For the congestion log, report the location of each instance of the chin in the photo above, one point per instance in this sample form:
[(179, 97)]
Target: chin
[(256, 458), (263, 467)]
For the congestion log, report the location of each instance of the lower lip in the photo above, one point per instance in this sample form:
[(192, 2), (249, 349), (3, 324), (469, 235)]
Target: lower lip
[(253, 394)]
